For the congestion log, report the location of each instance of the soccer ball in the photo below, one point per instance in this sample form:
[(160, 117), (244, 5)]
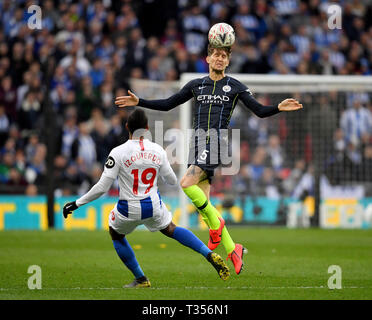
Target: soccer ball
[(221, 35)]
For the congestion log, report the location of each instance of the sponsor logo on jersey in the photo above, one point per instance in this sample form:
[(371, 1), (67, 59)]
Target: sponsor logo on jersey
[(110, 163), (202, 87), (226, 88), (208, 98)]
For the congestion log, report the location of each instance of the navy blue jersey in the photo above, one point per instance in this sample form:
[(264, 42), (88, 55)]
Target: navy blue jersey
[(214, 102)]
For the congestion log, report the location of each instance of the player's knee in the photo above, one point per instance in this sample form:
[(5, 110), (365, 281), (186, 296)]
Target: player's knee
[(169, 230), (114, 235), (185, 183)]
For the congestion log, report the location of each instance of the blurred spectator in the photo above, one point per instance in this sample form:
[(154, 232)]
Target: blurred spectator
[(256, 168), (84, 147), (290, 183), (195, 28), (305, 186), (118, 134), (86, 99), (16, 181), (18, 63), (183, 63), (267, 185), (136, 48), (36, 168), (4, 125), (100, 137), (286, 7), (69, 131), (31, 147), (97, 73), (275, 153), (356, 123), (31, 190), (249, 21), (366, 173), (300, 40), (321, 123), (8, 97), (171, 35), (29, 113)]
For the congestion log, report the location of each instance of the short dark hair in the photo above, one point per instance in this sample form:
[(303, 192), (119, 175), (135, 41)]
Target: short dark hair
[(137, 120), (211, 49)]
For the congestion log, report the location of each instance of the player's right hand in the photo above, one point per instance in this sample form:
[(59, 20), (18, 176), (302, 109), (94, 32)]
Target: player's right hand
[(127, 101), (68, 208)]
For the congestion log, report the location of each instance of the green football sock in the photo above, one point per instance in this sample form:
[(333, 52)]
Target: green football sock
[(200, 201), (226, 239)]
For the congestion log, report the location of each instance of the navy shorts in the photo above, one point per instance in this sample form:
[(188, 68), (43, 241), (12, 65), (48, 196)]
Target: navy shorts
[(207, 158)]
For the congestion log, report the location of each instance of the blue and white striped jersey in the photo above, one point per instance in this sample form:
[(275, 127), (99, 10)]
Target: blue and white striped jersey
[(138, 164)]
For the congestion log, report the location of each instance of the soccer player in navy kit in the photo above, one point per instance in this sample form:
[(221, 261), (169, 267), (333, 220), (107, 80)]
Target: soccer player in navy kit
[(215, 96)]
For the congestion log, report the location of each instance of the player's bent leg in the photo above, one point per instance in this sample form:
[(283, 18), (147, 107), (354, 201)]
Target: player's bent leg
[(188, 239), (204, 206), (205, 186), (189, 185), (192, 177), (226, 239), (127, 256), (199, 194)]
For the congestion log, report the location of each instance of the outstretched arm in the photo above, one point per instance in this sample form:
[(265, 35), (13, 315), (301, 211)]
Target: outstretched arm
[(161, 104), (266, 111), (100, 188)]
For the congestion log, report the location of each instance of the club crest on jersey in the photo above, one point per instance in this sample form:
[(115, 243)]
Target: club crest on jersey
[(226, 88), (110, 163)]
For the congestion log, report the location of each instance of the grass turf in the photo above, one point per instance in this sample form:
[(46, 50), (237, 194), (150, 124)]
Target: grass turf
[(280, 264)]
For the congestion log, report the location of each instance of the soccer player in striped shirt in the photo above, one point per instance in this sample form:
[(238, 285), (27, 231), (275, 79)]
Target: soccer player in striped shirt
[(137, 164), (215, 96)]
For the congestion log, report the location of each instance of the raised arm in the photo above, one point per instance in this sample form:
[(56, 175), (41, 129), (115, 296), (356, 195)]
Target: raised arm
[(266, 111)]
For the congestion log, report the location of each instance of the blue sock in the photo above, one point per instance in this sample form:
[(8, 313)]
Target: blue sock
[(188, 239), (126, 254)]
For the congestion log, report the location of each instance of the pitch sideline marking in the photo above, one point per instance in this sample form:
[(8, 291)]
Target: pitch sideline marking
[(187, 288)]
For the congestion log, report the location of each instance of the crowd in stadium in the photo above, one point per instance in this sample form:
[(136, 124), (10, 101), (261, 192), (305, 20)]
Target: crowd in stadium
[(98, 46)]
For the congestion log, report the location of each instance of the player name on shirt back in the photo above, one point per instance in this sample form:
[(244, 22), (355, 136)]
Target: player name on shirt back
[(142, 155)]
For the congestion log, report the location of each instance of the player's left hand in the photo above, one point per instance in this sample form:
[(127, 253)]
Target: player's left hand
[(68, 208), (290, 105)]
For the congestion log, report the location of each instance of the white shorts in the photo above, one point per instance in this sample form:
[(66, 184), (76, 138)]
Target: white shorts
[(125, 225)]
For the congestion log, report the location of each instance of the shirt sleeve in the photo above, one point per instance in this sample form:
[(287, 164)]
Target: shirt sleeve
[(170, 103), (257, 108), (166, 171), (112, 166), (99, 189)]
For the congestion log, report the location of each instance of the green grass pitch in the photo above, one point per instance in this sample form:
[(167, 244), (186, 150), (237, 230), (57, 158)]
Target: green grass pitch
[(280, 264)]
